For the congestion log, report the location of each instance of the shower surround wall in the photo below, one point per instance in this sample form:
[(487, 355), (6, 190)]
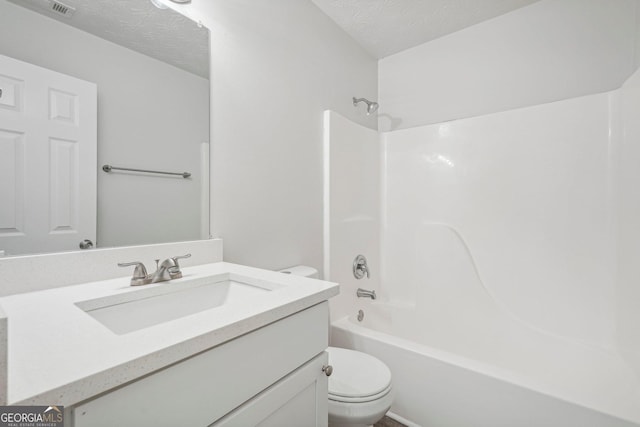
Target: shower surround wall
[(534, 192), (529, 193), (351, 208), (628, 228)]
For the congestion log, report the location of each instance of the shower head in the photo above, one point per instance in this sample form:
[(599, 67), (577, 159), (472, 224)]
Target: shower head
[(372, 107)]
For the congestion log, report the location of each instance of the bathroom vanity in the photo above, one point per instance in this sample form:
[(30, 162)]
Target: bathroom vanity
[(225, 345), (265, 377)]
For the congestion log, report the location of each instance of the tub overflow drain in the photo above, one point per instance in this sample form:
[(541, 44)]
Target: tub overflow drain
[(360, 315)]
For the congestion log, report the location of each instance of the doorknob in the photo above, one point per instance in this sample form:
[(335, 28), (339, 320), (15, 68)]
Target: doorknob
[(86, 244)]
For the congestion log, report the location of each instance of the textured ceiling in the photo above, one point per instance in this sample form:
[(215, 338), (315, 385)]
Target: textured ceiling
[(385, 27), (138, 25)]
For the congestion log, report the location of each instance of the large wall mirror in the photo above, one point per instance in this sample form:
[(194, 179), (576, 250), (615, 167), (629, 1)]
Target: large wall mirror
[(88, 83)]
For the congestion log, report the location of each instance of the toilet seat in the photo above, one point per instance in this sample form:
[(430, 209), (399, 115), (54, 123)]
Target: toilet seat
[(357, 377), (360, 399)]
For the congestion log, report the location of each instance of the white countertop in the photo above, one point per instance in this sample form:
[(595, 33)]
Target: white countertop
[(58, 354)]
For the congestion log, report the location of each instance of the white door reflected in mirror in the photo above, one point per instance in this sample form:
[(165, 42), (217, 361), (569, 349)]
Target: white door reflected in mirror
[(48, 151)]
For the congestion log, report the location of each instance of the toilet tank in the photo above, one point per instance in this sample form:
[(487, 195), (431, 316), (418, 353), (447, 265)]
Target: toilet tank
[(302, 270)]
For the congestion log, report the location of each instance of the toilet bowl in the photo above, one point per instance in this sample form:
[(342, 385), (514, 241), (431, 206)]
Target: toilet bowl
[(360, 390)]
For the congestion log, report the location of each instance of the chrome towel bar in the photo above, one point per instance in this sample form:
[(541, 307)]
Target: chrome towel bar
[(109, 168)]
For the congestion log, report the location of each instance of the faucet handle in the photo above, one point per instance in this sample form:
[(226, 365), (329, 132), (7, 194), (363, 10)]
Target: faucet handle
[(360, 267), (139, 273), (173, 267), (176, 258)]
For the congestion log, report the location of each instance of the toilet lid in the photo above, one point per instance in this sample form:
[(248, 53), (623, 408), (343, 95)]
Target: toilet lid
[(356, 374)]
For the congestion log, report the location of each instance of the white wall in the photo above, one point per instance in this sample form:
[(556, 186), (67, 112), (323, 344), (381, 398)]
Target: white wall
[(548, 51), (135, 127), (351, 210), (276, 66)]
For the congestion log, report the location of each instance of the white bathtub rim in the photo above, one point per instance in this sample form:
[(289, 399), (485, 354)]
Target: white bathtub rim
[(483, 368)]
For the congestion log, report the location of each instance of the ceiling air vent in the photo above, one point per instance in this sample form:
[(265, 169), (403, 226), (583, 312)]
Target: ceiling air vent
[(62, 9)]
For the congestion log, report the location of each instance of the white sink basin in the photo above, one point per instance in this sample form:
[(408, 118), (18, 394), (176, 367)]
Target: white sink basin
[(139, 309)]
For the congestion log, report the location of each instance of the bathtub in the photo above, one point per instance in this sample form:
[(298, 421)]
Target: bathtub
[(490, 370)]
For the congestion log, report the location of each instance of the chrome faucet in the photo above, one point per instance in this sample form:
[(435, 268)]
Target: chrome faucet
[(363, 293), (168, 269)]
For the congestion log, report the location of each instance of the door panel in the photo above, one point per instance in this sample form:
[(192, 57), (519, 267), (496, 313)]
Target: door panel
[(12, 172), (12, 93), (63, 180)]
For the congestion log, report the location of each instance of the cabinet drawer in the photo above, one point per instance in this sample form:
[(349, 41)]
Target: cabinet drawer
[(205, 387)]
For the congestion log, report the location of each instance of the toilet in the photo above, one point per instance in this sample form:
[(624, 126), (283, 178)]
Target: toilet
[(360, 391), (359, 388)]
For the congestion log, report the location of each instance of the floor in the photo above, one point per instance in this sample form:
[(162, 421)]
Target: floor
[(388, 422)]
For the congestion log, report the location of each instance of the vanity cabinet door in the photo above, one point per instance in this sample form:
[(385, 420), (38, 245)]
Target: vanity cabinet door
[(298, 400)]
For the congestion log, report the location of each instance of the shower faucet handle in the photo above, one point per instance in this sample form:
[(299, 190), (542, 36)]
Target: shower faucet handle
[(360, 267)]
